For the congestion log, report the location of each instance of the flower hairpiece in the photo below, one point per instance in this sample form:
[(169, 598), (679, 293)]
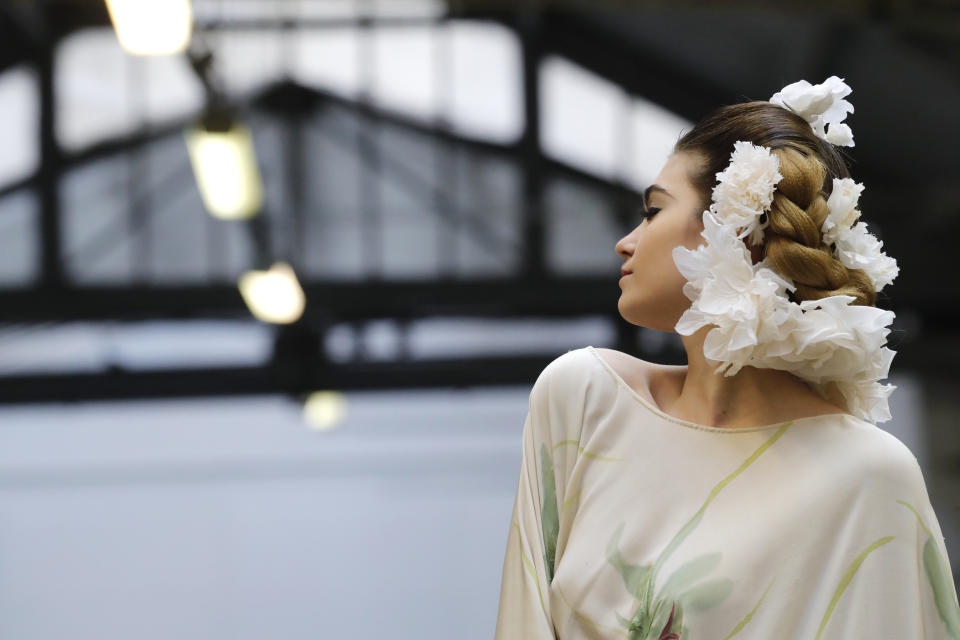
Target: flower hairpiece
[(820, 105), (745, 189), (856, 248), (824, 341), (823, 105)]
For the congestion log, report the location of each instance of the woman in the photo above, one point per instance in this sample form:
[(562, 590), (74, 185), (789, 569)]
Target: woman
[(755, 499)]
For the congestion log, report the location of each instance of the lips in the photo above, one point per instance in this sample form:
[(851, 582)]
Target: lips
[(624, 272)]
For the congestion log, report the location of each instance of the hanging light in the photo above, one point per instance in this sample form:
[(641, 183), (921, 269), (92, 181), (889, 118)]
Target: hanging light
[(273, 295), (324, 410), (152, 27), (225, 165)]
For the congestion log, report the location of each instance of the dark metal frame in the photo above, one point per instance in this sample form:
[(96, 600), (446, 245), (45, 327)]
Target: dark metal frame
[(298, 363)]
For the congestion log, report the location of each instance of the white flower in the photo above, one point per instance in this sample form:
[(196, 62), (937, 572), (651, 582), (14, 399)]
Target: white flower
[(856, 248), (843, 207), (821, 104), (867, 398), (745, 189), (840, 134), (722, 248), (835, 340), (726, 290)]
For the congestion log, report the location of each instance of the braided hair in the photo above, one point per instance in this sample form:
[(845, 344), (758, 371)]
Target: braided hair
[(793, 242)]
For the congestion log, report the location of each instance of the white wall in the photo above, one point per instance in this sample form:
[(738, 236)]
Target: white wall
[(231, 519)]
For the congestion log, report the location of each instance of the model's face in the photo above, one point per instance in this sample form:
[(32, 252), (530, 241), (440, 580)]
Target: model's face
[(652, 294)]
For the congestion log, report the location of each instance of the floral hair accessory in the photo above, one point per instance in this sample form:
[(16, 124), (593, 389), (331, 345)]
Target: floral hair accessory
[(825, 341), (820, 105), (745, 189), (856, 248)]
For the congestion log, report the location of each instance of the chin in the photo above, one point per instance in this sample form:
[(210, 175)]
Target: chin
[(630, 314), (646, 317)]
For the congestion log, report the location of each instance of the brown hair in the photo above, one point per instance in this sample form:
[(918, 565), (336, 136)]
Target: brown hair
[(792, 241)]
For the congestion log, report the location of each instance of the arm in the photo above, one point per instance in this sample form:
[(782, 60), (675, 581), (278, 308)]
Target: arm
[(524, 611), (938, 593)]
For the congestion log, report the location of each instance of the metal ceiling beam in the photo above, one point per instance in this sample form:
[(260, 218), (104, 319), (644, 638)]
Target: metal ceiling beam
[(490, 297), (297, 373), (51, 166), (278, 378), (529, 33), (509, 297), (267, 98)]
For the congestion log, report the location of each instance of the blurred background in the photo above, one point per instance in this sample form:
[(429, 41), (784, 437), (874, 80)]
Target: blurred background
[(276, 278)]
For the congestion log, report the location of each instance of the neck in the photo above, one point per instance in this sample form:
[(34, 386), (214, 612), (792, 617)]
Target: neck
[(752, 396)]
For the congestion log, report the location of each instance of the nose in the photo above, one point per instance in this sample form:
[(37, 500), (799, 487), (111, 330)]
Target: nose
[(625, 246)]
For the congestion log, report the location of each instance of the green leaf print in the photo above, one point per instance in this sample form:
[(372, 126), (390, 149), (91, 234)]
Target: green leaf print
[(633, 575), (747, 618), (848, 576), (707, 595), (667, 618), (549, 518), (659, 615), (941, 582), (691, 571), (688, 528)]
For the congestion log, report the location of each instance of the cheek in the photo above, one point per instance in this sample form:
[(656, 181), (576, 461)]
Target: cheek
[(657, 285), (656, 269), (654, 296)]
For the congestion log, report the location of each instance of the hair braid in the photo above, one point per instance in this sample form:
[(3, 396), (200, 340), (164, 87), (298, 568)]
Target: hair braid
[(793, 242)]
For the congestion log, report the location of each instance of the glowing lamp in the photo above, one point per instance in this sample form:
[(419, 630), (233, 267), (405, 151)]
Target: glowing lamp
[(273, 295), (152, 27), (324, 410), (225, 165)]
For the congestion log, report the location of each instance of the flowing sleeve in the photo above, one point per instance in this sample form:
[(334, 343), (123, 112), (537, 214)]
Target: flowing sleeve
[(938, 596), (897, 580), (530, 559)]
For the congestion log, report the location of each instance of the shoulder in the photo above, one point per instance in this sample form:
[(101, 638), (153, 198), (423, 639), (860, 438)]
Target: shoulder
[(641, 375), (887, 461), (576, 364), (570, 374), (569, 379), (620, 361), (899, 462), (632, 368), (890, 485), (565, 372)]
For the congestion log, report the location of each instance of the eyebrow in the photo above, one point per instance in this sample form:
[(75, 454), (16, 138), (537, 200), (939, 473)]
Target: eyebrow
[(651, 189)]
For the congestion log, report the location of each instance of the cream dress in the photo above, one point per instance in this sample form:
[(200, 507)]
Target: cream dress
[(630, 523)]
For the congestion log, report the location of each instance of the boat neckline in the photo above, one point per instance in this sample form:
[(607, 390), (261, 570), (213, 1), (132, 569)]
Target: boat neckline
[(696, 425)]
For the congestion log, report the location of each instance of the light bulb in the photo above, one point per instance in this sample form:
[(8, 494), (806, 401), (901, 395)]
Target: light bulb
[(225, 166), (273, 295), (324, 410), (152, 27)]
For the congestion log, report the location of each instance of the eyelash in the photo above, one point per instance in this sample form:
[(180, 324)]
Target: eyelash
[(645, 213)]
